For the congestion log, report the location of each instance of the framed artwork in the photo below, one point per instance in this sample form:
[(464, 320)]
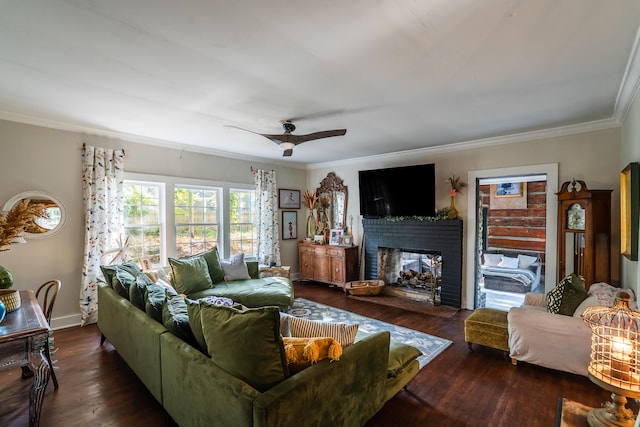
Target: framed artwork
[(335, 236), (508, 189), (629, 200), (288, 199), (289, 225)]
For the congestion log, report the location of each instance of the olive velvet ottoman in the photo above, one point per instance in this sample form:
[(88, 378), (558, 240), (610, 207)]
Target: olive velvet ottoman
[(488, 327)]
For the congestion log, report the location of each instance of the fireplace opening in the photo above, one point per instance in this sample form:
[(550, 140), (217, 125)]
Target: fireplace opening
[(411, 273)]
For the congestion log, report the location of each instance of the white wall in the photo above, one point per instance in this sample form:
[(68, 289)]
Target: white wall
[(38, 158), (630, 152), (592, 157)]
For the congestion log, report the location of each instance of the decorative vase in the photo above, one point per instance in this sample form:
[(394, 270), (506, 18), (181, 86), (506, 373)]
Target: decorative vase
[(3, 311), (311, 225), (6, 279), (453, 212)]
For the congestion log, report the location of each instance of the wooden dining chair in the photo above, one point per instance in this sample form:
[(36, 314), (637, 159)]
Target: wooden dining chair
[(49, 291)]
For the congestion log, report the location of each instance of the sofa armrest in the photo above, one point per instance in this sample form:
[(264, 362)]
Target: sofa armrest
[(342, 393), (197, 392), (551, 340), (535, 299)]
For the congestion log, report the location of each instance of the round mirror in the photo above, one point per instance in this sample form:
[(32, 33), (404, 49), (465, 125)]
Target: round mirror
[(40, 227)]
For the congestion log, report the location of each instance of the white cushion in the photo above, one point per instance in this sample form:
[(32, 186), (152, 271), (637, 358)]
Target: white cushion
[(492, 260), (235, 268), (589, 302), (526, 260), (508, 262)]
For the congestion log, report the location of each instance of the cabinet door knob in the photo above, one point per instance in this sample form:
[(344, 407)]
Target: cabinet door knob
[(337, 270)]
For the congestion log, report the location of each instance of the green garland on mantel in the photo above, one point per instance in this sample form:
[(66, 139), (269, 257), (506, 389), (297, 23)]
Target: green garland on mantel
[(441, 215)]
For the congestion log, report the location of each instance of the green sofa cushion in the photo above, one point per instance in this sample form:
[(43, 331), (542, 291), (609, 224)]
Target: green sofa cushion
[(253, 293), (190, 274), (195, 318), (246, 343), (175, 318), (109, 271), (154, 301), (138, 290), (213, 263), (122, 281), (253, 268)]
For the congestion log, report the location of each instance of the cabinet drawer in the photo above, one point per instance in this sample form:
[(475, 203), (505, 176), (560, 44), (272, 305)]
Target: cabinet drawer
[(321, 251), (336, 252), (307, 249)]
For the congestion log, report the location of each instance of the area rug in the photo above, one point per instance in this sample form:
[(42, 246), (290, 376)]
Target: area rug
[(429, 345), (410, 305)]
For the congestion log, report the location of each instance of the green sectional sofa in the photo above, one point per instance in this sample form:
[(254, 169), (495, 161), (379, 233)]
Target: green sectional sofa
[(196, 391)]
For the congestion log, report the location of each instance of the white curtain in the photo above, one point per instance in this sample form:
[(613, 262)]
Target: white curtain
[(102, 182), (267, 216)]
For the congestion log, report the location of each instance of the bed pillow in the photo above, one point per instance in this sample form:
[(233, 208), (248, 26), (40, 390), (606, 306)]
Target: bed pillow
[(190, 274), (235, 268), (525, 261), (566, 296), (246, 343), (492, 260), (508, 262), (344, 333)]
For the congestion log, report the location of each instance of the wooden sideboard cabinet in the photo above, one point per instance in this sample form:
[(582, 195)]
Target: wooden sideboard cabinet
[(335, 265)]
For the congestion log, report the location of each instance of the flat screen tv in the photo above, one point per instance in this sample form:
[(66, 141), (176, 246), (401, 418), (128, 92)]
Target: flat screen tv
[(401, 191)]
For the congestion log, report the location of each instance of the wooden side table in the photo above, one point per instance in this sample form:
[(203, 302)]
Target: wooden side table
[(282, 271), (23, 335)]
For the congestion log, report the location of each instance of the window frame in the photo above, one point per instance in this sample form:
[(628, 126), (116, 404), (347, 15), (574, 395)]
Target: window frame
[(167, 228)]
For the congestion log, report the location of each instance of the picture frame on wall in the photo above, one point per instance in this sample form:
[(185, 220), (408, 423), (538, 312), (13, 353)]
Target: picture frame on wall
[(629, 210), (335, 236), (508, 189), (289, 225), (288, 199)]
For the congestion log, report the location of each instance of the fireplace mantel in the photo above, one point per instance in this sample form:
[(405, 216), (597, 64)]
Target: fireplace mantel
[(443, 236)]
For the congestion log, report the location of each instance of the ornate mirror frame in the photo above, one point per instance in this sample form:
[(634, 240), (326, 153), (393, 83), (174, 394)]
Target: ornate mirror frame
[(41, 230), (338, 193)]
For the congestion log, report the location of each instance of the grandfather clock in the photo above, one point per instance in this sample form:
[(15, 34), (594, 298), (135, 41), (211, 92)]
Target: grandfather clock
[(584, 232)]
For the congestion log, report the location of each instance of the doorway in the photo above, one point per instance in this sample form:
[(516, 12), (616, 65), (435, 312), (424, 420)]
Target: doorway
[(506, 188)]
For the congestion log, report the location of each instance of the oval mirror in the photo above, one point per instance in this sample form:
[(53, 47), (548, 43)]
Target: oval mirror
[(40, 227)]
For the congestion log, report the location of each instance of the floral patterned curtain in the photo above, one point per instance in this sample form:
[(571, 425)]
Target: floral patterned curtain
[(267, 216), (102, 182)]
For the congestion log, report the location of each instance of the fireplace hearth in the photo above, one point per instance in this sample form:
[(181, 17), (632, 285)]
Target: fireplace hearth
[(424, 241)]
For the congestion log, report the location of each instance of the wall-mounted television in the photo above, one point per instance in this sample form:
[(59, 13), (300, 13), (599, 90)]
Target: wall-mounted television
[(400, 191)]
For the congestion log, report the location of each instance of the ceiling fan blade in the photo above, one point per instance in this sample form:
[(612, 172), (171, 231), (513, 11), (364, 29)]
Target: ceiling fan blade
[(319, 135), (287, 153)]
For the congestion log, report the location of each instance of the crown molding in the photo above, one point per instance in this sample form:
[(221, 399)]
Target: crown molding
[(478, 143), (126, 137), (630, 83)]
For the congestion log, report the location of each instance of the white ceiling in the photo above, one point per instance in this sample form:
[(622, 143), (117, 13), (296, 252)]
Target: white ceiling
[(399, 75)]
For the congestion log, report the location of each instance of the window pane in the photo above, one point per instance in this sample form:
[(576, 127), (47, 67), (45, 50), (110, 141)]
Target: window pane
[(196, 218), (142, 219)]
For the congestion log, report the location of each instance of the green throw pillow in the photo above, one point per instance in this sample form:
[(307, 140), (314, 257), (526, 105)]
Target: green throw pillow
[(109, 271), (246, 343), (190, 274), (213, 263), (154, 301), (138, 289), (123, 279), (176, 319), (566, 296)]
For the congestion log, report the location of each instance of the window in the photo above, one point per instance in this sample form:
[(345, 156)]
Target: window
[(196, 219), (242, 230), (194, 216), (142, 214)]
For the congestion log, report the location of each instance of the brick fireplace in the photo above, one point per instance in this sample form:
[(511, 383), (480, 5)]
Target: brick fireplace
[(443, 237)]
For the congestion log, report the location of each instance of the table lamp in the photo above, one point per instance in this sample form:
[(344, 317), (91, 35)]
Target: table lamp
[(615, 359)]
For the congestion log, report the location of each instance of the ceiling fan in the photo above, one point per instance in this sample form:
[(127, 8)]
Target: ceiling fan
[(287, 141)]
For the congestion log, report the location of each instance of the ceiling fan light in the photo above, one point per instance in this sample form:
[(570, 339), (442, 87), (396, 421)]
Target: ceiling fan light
[(287, 145)]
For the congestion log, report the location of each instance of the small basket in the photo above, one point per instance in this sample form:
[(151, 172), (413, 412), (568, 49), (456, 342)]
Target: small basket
[(10, 298), (364, 287)]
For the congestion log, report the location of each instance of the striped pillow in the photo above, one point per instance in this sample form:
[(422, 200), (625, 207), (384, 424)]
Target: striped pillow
[(304, 328)]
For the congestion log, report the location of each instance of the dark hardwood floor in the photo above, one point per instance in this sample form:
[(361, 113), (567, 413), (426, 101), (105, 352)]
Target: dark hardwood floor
[(458, 388)]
